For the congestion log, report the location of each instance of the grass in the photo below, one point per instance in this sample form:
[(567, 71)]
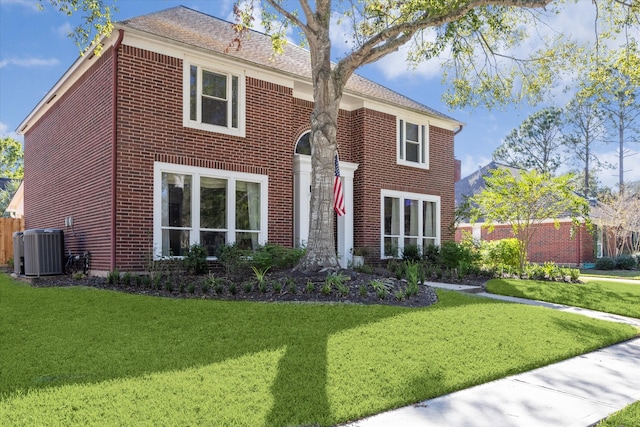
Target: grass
[(628, 417), (600, 295), (82, 356), (613, 274)]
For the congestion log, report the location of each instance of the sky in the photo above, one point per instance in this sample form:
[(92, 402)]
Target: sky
[(35, 51)]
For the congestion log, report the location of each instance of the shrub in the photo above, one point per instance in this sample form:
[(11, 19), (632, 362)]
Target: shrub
[(113, 277), (411, 253), (503, 254), (431, 254), (453, 254), (605, 263), (625, 262), (195, 260)]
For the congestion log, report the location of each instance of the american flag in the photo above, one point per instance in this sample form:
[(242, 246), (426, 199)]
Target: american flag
[(338, 194)]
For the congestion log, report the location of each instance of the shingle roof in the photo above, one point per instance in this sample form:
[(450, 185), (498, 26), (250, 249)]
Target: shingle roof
[(207, 32), (475, 182)]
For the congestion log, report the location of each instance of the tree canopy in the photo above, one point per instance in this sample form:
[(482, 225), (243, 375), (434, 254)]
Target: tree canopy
[(11, 159), (524, 201)]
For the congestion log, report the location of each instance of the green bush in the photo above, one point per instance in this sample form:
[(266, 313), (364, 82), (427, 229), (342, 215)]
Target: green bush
[(605, 263), (625, 262), (411, 253), (431, 254), (455, 254), (195, 260), (503, 254)]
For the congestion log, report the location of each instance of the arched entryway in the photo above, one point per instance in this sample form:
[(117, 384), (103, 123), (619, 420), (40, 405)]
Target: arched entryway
[(302, 200)]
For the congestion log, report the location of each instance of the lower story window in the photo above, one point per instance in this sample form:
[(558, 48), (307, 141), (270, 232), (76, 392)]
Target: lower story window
[(408, 219), (209, 207)]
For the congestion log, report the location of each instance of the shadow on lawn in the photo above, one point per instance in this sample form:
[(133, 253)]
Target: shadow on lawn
[(63, 336)]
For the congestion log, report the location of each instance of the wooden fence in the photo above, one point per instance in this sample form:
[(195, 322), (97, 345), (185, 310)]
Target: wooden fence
[(7, 227)]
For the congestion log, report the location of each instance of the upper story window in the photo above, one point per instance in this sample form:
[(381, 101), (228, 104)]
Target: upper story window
[(413, 144), (214, 99)]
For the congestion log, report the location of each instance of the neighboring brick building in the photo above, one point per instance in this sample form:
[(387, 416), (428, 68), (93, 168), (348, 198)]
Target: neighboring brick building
[(171, 138), (565, 245)]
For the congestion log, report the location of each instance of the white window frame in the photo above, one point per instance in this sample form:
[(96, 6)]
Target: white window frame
[(411, 196), (423, 141), (196, 173), (218, 69)]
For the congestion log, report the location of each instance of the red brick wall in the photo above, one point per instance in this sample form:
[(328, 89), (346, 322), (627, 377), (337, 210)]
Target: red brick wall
[(379, 170), (68, 161), (149, 129), (561, 246)]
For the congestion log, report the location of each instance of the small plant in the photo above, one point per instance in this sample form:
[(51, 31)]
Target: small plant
[(399, 295), (205, 287), (411, 272), (78, 275), (247, 287), (277, 287), (260, 274), (336, 279), (181, 287), (362, 290), (195, 260), (326, 288), (168, 286), (412, 289), (233, 288), (381, 288), (126, 278), (291, 285), (139, 281), (113, 277), (218, 287), (365, 268), (191, 288), (309, 287), (342, 289)]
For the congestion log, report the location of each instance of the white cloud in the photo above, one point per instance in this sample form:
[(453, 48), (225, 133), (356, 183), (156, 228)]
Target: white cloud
[(471, 163), (31, 4), (29, 62), (611, 177), (64, 30), (5, 132)]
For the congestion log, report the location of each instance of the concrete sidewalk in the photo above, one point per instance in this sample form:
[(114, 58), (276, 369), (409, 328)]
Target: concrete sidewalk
[(577, 392)]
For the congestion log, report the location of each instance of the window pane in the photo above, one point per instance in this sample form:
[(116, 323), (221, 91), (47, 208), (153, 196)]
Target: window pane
[(411, 217), (214, 111), (213, 203), (391, 246), (213, 241), (247, 205), (412, 132), (412, 152), (175, 242), (214, 85), (234, 102), (304, 144), (193, 93), (423, 145), (391, 216), (176, 200), (429, 220), (410, 241), (246, 240)]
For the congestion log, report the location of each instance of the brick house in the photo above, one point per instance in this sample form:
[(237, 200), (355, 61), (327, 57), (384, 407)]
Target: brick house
[(174, 136), (565, 246)]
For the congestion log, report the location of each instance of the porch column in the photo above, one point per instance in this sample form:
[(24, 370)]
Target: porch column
[(345, 222)]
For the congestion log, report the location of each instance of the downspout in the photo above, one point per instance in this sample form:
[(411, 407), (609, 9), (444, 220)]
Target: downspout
[(458, 131), (114, 146)]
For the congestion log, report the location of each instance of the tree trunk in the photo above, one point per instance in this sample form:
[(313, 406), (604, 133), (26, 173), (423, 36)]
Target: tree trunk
[(327, 93)]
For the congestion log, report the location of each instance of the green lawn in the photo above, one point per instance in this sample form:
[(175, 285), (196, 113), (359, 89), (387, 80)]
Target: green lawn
[(601, 295), (83, 356), (614, 274)]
